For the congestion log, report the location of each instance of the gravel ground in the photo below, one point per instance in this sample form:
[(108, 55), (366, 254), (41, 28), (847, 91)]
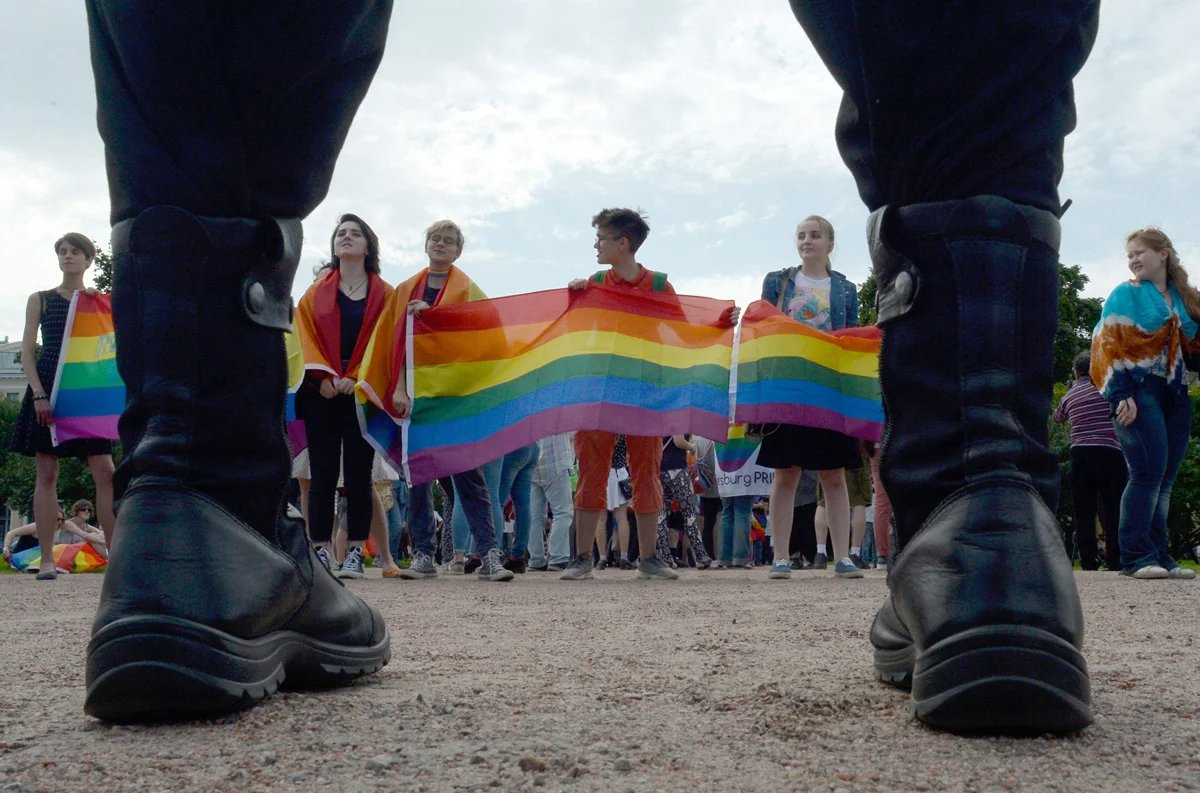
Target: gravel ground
[(723, 680)]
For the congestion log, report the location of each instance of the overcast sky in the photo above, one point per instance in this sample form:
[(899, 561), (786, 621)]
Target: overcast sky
[(521, 119)]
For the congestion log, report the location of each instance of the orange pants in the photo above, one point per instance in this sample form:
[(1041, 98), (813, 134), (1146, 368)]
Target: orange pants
[(594, 450)]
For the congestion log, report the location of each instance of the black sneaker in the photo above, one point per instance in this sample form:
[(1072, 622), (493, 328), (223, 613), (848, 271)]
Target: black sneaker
[(515, 565), (858, 562), (820, 561), (472, 564), (626, 564)]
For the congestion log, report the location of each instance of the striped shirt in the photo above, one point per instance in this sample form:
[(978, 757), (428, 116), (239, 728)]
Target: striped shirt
[(1090, 416)]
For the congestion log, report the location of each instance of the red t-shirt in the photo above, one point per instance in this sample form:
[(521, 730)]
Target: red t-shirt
[(643, 280)]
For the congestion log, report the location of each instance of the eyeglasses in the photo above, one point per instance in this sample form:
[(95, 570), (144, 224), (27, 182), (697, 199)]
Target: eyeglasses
[(88, 510), (444, 240)]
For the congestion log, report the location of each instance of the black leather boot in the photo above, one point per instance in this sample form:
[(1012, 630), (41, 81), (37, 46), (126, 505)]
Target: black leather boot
[(212, 598), (983, 620)]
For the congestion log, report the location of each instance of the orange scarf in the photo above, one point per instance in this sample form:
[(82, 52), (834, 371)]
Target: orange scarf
[(383, 362)]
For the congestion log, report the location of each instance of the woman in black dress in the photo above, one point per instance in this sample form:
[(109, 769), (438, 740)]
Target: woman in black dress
[(31, 436)]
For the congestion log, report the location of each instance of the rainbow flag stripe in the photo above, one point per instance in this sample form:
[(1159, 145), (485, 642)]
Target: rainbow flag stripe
[(737, 449), (88, 394), (791, 374), (491, 376)]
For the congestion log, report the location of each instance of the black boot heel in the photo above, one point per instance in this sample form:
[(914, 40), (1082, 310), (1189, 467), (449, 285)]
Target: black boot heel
[(1009, 677)]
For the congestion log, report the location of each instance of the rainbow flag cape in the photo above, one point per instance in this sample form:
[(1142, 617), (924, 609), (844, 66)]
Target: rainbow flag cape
[(491, 376), (88, 394), (78, 557), (737, 449), (789, 373)]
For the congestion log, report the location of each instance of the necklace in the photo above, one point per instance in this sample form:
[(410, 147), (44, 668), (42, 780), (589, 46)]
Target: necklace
[(349, 291)]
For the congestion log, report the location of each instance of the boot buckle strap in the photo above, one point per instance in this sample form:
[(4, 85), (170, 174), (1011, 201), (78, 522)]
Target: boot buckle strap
[(271, 245), (897, 279)]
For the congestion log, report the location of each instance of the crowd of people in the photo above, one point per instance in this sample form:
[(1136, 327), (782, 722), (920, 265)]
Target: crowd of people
[(665, 488), (620, 481)]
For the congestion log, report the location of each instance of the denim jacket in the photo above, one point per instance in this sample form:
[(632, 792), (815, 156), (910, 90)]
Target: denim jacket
[(843, 297)]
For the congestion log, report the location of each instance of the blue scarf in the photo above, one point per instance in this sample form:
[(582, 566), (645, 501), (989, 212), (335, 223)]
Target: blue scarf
[(1136, 327)]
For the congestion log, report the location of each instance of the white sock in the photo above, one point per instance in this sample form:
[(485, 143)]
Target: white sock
[(855, 550), (821, 548)]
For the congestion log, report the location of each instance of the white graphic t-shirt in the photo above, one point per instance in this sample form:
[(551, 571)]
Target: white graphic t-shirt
[(810, 302)]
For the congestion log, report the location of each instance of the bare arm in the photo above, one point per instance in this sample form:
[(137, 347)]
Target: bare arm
[(33, 315), (681, 442)]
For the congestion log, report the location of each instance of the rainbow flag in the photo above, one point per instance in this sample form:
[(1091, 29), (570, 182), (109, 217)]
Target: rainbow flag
[(78, 557), (88, 394), (737, 449), (296, 435), (491, 376), (789, 373)]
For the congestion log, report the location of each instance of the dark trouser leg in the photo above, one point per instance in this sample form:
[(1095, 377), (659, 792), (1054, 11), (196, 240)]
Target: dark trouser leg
[(804, 540), (1086, 480), (477, 506), (961, 133), (358, 459), (421, 527), (212, 598), (325, 462), (1114, 477)]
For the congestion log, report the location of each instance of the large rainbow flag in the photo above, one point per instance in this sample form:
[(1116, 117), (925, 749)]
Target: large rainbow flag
[(790, 373), (88, 394), (491, 376)]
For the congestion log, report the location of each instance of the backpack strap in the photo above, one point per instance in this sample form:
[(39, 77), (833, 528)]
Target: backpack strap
[(598, 278), (659, 282)]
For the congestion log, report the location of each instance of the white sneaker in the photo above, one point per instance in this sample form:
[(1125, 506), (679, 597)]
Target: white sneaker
[(1181, 572), (1151, 571), (352, 567)]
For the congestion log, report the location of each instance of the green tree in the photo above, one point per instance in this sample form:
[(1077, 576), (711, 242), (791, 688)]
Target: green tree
[(1077, 316), (102, 270), (866, 300)]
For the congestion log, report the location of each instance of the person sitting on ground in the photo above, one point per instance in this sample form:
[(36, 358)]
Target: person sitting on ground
[(77, 529), (22, 538)]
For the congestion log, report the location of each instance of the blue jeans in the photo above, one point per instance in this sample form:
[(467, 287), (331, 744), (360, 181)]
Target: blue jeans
[(459, 525), (555, 493), (398, 516), (1154, 445), (472, 495), (516, 480), (735, 530)]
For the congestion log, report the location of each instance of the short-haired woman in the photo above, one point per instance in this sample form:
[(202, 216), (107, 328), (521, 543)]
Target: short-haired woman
[(48, 310)]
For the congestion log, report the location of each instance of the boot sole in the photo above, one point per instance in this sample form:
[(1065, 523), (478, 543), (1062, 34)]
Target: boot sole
[(1006, 678), (170, 669)]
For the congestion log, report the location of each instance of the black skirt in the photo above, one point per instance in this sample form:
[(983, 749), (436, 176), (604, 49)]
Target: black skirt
[(810, 448)]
